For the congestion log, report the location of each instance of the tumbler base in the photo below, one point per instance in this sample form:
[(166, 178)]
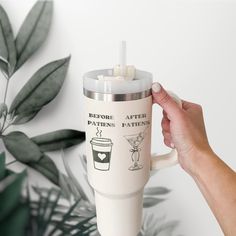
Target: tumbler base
[(118, 216)]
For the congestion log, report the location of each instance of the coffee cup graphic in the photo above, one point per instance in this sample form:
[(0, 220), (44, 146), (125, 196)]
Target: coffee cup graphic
[(101, 149)]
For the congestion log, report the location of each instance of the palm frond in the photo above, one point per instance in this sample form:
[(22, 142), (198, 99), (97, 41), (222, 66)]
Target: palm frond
[(50, 217), (84, 164), (76, 188), (157, 226), (152, 225)]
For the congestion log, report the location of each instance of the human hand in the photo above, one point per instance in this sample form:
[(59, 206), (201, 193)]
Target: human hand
[(182, 128)]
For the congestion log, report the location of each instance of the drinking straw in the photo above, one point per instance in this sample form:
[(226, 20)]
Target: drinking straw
[(122, 58)]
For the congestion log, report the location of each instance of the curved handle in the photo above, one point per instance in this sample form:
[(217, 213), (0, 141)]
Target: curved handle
[(171, 158)]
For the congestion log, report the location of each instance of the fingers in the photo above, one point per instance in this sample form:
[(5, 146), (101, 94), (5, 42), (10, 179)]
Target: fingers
[(168, 143), (165, 124), (167, 139), (171, 111), (161, 97), (187, 105), (164, 114)]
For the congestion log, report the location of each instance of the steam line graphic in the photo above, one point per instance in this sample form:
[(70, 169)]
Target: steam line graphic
[(99, 133)]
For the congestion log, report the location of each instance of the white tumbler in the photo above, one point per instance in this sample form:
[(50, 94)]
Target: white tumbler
[(118, 148)]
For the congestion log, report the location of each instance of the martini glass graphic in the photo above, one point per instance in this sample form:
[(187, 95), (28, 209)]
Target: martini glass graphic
[(135, 140)]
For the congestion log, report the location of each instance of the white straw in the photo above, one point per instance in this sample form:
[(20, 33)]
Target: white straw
[(122, 55)]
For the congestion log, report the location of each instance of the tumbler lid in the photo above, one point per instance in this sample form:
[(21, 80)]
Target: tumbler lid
[(101, 141), (122, 79), (118, 216), (141, 82)]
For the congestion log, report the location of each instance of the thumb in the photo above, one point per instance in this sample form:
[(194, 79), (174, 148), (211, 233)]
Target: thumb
[(161, 97)]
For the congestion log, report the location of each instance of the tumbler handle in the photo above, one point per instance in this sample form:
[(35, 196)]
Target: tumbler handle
[(168, 159)]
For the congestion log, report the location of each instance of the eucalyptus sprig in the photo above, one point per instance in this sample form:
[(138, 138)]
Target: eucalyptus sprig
[(41, 89)]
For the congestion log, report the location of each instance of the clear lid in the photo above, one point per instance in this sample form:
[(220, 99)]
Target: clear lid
[(101, 141), (141, 82), (122, 79)]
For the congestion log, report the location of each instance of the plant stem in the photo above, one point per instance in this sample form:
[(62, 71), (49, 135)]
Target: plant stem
[(3, 124), (5, 128), (6, 90), (11, 162), (4, 101)]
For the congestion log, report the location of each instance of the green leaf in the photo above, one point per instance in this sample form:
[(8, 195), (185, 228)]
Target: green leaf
[(2, 165), (7, 44), (53, 218), (44, 85), (21, 147), (3, 109), (65, 186), (4, 67), (149, 223), (16, 222), (24, 117), (26, 151), (166, 228), (3, 46), (59, 139), (151, 201), (155, 226), (47, 205), (33, 31), (156, 191), (47, 168), (10, 193)]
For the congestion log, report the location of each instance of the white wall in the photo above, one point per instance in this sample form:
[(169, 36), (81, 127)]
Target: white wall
[(189, 46)]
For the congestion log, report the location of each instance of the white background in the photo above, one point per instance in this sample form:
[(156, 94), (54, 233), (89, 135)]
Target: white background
[(189, 46)]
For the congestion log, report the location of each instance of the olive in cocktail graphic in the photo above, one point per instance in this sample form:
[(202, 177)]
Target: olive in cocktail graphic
[(135, 141), (101, 149)]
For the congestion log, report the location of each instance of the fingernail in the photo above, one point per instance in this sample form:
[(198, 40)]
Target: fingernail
[(156, 87), (172, 145)]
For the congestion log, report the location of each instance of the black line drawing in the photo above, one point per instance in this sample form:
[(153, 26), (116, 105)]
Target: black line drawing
[(135, 141), (101, 149)]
